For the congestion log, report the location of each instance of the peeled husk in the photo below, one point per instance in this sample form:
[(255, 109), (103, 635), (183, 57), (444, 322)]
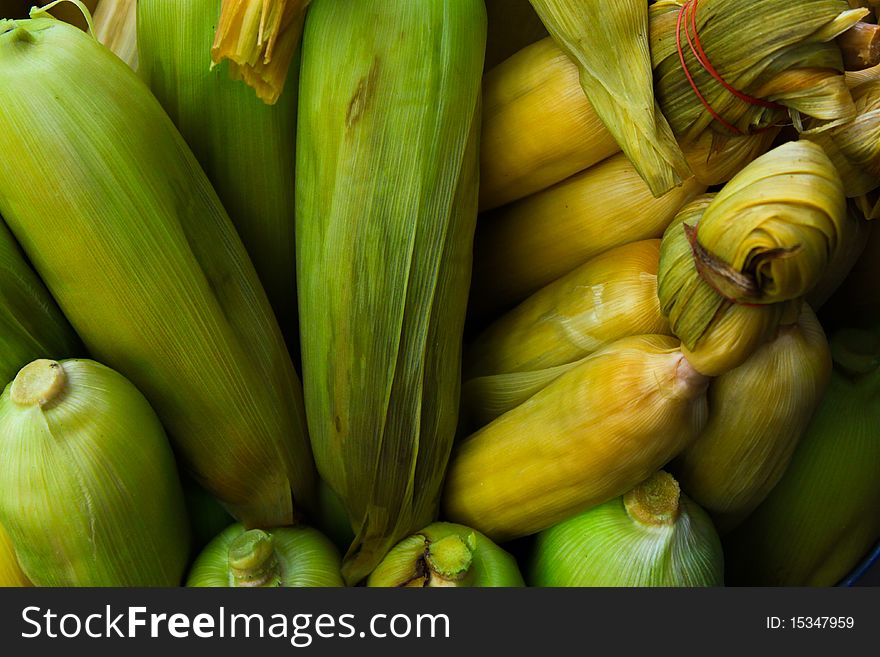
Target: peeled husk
[(282, 557), (821, 518), (589, 436), (615, 73), (736, 264), (115, 23), (91, 495), (446, 555), (652, 536), (759, 412), (528, 244)]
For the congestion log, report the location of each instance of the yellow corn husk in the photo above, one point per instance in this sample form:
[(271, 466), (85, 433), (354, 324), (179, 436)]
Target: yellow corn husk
[(244, 146), (384, 236), (91, 495), (798, 66), (760, 410), (589, 436), (651, 536), (282, 557), (136, 248), (609, 297), (734, 265), (512, 25), (616, 76), (10, 571), (446, 555), (259, 39), (821, 518), (854, 146), (526, 245), (115, 23), (537, 127)]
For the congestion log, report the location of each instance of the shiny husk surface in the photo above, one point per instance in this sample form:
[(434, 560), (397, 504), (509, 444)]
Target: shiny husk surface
[(592, 434), (821, 518), (245, 146), (386, 209), (759, 412), (10, 571), (735, 264), (91, 495), (445, 554), (142, 258), (652, 536), (282, 557)]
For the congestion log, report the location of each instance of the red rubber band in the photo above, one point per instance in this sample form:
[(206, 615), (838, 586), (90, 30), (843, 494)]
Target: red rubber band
[(699, 54)]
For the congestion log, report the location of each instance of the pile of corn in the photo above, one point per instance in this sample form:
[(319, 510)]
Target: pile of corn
[(390, 293)]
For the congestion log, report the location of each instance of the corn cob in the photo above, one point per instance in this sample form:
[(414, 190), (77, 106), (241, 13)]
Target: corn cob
[(218, 116), (733, 266), (136, 248), (285, 557), (760, 410), (10, 571), (259, 39), (115, 23), (799, 68), (616, 75), (528, 244), (446, 555), (588, 437), (651, 536), (90, 489), (384, 234), (821, 518)]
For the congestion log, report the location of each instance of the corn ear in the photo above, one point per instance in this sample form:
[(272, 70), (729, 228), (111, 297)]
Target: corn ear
[(282, 557), (217, 117), (136, 248), (81, 452), (760, 410), (734, 265), (528, 244), (651, 536), (446, 555), (10, 571), (614, 62), (589, 436), (384, 238), (821, 518)]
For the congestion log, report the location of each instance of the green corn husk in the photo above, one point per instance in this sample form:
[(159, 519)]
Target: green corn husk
[(760, 410), (736, 264), (591, 435), (138, 251), (282, 557), (259, 39), (91, 495), (31, 324), (115, 24), (384, 235), (651, 536), (10, 571), (244, 146), (616, 75), (446, 555), (821, 518)]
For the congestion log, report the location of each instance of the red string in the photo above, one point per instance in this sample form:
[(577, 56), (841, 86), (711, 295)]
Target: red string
[(689, 11)]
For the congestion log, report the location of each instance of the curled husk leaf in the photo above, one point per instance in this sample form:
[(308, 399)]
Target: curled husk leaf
[(736, 264), (282, 557), (821, 518), (91, 495), (592, 434), (651, 536), (444, 554), (760, 410)]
